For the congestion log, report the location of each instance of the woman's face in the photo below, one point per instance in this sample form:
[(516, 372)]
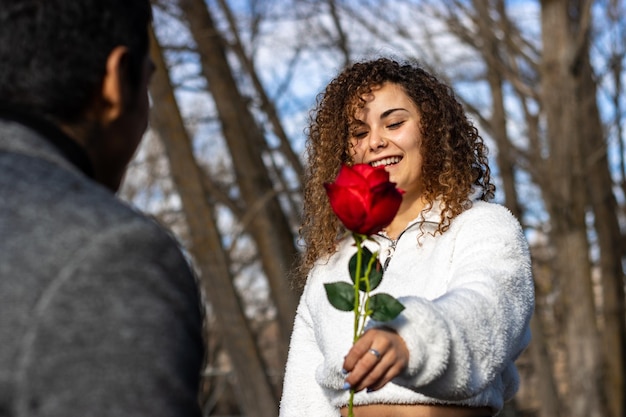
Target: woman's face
[(387, 132)]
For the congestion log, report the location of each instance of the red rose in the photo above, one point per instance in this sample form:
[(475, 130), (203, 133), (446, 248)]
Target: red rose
[(363, 198)]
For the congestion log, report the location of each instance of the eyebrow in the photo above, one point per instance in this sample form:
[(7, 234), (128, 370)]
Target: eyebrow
[(387, 113)]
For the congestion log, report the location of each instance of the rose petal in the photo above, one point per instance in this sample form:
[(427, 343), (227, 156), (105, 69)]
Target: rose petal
[(384, 206), (377, 176), (349, 204), (349, 177)]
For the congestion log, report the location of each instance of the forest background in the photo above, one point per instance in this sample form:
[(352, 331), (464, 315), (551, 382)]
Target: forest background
[(222, 163)]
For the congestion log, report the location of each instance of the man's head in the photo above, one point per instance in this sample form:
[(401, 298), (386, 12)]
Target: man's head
[(82, 64)]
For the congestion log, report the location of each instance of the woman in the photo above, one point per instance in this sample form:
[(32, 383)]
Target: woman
[(459, 264)]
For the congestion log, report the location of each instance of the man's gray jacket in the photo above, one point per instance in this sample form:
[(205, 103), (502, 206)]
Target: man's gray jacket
[(99, 312)]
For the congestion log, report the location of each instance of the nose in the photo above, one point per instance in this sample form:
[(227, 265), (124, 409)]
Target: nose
[(376, 141)]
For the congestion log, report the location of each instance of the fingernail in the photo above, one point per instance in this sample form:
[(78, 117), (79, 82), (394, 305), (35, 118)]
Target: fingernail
[(343, 371), (346, 386)]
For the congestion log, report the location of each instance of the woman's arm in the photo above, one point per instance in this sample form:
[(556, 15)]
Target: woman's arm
[(465, 339)]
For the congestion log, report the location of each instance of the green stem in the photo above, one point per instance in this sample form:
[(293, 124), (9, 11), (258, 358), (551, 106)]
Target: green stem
[(357, 280), (357, 306), (351, 404), (365, 308), (360, 310)]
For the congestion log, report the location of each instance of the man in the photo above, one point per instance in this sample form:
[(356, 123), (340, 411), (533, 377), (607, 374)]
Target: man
[(99, 312)]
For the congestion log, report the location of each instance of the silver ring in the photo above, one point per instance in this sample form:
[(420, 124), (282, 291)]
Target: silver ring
[(375, 353)]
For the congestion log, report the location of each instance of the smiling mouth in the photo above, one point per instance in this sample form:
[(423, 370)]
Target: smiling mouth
[(386, 161)]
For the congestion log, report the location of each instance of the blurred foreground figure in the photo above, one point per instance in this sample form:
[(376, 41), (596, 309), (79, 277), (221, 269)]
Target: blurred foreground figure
[(99, 312)]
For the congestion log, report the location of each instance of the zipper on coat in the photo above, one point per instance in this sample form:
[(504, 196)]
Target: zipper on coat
[(394, 242), (389, 252)]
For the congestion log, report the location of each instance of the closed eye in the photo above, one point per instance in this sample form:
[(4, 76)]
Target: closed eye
[(395, 125), (359, 135)]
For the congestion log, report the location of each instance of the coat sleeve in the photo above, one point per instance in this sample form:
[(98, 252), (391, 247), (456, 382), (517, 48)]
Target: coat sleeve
[(471, 335), (119, 332), (302, 395)]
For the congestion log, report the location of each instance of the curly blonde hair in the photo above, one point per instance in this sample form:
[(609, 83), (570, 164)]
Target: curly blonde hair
[(454, 154)]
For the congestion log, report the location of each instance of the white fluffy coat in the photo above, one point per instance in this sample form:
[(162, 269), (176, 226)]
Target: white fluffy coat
[(468, 295)]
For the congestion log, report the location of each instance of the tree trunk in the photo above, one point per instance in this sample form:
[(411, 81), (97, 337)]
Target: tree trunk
[(266, 104), (547, 393), (267, 222), (605, 209), (253, 389), (564, 43)]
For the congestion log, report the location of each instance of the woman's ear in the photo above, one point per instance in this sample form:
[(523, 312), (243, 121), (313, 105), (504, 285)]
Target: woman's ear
[(114, 94)]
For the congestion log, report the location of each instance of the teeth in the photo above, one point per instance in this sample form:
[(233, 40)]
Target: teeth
[(386, 161)]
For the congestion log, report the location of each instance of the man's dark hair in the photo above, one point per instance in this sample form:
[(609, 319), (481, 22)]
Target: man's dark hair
[(53, 52)]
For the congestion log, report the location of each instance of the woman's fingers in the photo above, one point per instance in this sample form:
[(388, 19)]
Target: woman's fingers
[(375, 359), (391, 373), (361, 350)]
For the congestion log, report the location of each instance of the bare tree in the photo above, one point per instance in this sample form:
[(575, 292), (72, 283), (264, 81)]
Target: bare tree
[(609, 240), (565, 39), (254, 390), (267, 222), (266, 103)]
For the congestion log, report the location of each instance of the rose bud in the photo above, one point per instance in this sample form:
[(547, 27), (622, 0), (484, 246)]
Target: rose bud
[(363, 198)]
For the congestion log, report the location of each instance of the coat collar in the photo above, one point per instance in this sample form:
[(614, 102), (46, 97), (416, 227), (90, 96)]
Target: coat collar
[(68, 147), (433, 214)]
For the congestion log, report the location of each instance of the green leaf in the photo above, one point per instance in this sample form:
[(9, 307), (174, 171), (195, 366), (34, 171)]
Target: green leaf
[(340, 295), (384, 307), (376, 274)]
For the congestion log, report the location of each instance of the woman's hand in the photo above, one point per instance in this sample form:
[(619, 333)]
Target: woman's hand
[(375, 359)]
